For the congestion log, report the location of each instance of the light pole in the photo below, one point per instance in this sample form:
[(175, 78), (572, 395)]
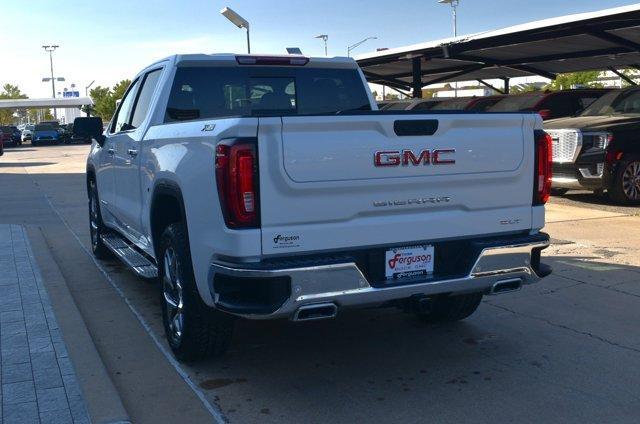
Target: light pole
[(358, 44), (384, 87), (51, 49), (86, 89), (454, 11), (238, 21), (324, 38)]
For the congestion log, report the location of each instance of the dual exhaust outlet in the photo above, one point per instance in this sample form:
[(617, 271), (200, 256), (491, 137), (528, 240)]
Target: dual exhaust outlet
[(506, 286), (315, 312), (330, 310)]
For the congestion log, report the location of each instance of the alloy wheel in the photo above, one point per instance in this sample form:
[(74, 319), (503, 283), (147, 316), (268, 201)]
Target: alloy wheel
[(631, 181), (173, 295), (93, 221)]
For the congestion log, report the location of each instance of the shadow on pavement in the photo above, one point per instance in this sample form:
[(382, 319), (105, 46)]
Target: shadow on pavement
[(24, 164)]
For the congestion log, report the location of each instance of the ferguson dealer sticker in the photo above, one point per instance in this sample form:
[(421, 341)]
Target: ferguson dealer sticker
[(286, 241), (409, 261)]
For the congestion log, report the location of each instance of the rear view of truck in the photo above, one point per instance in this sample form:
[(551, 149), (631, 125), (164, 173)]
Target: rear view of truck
[(271, 187), (358, 207)]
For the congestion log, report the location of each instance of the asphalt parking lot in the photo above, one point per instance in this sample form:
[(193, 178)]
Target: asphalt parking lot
[(565, 350)]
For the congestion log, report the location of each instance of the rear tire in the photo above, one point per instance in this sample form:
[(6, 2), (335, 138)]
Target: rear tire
[(626, 186), (96, 226), (451, 308), (194, 330)]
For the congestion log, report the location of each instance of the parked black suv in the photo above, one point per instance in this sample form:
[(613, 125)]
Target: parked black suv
[(600, 148)]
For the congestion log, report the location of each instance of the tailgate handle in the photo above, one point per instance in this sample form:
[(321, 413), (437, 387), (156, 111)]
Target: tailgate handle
[(415, 127)]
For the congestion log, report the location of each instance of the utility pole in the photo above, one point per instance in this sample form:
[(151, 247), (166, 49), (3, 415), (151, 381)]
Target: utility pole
[(51, 49)]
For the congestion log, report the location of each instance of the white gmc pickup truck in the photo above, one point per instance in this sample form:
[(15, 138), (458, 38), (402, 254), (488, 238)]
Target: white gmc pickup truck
[(272, 187)]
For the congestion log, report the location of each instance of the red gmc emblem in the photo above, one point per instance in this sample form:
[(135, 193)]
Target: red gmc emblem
[(409, 158)]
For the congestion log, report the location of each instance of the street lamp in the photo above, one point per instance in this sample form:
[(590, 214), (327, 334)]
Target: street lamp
[(454, 9), (238, 21), (324, 38), (359, 43), (86, 89), (51, 49)]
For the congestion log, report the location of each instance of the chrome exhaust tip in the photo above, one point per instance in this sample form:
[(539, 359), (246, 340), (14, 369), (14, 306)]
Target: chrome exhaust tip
[(506, 286), (315, 312)]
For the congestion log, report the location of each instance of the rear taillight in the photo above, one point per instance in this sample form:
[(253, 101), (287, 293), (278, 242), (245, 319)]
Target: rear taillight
[(542, 176), (237, 181), (544, 114)]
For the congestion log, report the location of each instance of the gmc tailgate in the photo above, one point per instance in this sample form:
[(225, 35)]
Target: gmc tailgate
[(331, 182)]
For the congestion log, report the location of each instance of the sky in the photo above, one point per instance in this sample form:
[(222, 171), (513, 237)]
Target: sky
[(108, 41)]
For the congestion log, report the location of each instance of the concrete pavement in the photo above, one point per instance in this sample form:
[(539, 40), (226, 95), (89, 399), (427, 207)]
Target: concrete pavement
[(38, 378), (565, 350)]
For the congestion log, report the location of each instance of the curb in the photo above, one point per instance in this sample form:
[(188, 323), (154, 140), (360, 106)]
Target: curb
[(101, 397)]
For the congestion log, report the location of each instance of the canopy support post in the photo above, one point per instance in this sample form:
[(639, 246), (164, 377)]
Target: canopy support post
[(486, 84), (623, 76), (416, 83)]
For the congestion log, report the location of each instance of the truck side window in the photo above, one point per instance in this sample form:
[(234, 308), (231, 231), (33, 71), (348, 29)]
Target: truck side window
[(144, 98), (121, 121)]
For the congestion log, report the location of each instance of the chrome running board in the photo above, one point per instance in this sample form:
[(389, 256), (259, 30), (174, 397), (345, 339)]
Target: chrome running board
[(130, 256)]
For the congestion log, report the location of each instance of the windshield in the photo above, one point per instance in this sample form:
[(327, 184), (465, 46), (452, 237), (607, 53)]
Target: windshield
[(517, 103), (46, 127), (211, 92), (615, 103)]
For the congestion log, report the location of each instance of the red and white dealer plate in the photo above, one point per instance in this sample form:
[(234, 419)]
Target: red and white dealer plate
[(412, 261)]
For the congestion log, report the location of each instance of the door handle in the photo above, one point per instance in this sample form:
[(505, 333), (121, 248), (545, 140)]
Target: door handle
[(132, 152), (111, 151)]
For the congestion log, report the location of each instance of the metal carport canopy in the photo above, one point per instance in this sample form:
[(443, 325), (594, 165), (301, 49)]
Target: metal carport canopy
[(45, 103), (587, 41)]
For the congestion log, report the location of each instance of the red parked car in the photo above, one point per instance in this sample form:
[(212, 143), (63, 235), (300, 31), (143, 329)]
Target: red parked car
[(550, 104), (5, 135)]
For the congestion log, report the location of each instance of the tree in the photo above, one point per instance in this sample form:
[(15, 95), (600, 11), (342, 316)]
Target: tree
[(120, 88), (10, 91), (576, 79), (104, 99)]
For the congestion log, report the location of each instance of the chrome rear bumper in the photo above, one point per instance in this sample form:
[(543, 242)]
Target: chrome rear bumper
[(345, 284)]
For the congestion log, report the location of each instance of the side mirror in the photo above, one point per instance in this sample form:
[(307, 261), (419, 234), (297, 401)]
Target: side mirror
[(89, 127), (100, 139)]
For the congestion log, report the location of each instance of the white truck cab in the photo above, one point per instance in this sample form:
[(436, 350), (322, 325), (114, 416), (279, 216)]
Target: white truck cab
[(272, 187)]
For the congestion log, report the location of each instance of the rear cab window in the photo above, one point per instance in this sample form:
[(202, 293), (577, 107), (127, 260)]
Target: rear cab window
[(205, 92)]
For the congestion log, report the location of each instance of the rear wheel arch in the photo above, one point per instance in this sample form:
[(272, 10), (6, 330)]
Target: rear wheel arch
[(167, 207)]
